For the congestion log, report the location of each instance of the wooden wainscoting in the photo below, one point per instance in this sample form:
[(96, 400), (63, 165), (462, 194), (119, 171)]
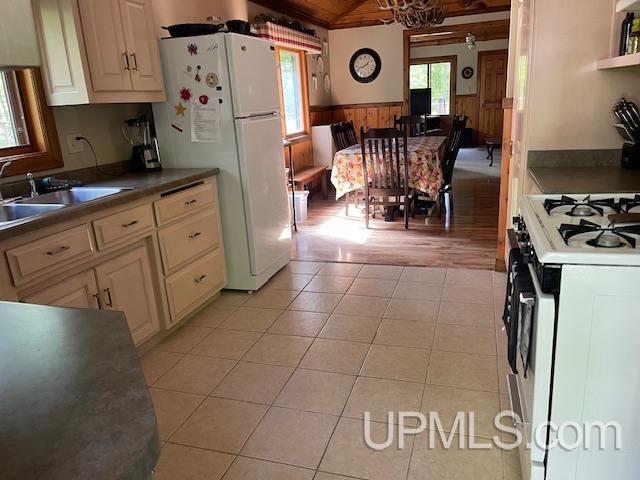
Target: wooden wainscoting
[(302, 154), (468, 105), (367, 115)]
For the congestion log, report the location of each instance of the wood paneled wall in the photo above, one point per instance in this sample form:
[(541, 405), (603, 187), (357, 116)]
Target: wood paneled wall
[(302, 154), (468, 105), (366, 115)]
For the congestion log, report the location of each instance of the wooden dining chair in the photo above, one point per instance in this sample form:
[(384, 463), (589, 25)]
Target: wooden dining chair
[(450, 156), (384, 175), (344, 136), (414, 125)]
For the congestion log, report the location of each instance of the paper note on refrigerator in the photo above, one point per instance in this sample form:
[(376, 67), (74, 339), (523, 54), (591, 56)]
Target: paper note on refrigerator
[(205, 123)]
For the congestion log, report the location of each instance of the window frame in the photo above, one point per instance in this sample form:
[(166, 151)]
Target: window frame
[(304, 91), (452, 59), (43, 150)]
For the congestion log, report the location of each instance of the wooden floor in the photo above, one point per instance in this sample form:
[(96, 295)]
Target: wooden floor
[(467, 239)]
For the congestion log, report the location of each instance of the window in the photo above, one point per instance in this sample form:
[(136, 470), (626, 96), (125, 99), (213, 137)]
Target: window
[(28, 136), (293, 84), (436, 75)]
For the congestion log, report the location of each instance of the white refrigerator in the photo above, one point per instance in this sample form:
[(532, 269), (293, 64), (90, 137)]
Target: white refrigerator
[(223, 110)]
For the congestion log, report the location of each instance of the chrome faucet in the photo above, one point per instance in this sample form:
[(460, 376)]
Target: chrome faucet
[(32, 185), (2, 169)]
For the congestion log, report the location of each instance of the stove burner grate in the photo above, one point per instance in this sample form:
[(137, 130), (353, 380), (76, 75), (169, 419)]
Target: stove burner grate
[(607, 237), (628, 204), (582, 208)]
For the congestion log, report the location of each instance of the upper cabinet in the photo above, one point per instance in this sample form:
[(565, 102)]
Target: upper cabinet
[(615, 60), (98, 51)]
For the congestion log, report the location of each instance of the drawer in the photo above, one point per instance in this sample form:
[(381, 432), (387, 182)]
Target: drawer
[(188, 239), (182, 204), (121, 226), (49, 252), (193, 285)]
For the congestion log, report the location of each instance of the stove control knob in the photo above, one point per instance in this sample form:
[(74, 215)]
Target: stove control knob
[(527, 252)]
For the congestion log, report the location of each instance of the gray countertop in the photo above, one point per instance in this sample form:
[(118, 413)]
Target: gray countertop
[(73, 400), (142, 185), (607, 179)]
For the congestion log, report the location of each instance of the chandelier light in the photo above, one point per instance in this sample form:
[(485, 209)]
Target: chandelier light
[(414, 13)]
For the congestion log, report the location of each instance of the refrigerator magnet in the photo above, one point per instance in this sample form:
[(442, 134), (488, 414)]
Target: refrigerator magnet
[(197, 77), (211, 79), (192, 48), (177, 127), (204, 99), (185, 94), (180, 109)]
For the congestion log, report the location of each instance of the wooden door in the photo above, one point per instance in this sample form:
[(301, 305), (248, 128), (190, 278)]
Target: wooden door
[(79, 291), (126, 285), (142, 44), (106, 49), (492, 85)]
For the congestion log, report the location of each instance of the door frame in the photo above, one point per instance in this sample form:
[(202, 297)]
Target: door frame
[(478, 82)]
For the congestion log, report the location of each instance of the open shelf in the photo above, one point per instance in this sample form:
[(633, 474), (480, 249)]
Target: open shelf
[(619, 62), (627, 5)]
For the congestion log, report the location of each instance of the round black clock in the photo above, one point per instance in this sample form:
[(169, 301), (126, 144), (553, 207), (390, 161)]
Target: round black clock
[(365, 65), (467, 73)]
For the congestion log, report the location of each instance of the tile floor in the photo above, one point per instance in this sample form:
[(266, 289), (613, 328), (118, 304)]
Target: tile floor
[(273, 385)]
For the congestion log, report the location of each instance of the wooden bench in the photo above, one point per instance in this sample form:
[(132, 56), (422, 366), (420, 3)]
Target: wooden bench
[(307, 175)]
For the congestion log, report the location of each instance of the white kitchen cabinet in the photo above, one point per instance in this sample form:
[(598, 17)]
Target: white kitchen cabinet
[(141, 41), (126, 285), (79, 291), (98, 51)]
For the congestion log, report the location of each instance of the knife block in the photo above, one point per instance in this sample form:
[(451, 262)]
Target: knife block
[(631, 156)]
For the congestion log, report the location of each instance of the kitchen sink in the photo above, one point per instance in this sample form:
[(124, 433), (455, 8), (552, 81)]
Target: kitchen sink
[(73, 196), (17, 211)]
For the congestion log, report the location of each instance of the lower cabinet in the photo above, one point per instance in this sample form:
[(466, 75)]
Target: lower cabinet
[(79, 291), (124, 283)]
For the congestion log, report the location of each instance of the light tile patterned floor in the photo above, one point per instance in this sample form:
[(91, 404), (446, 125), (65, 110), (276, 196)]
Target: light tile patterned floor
[(273, 385)]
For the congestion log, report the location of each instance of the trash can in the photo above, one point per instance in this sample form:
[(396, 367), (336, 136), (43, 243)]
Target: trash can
[(300, 206)]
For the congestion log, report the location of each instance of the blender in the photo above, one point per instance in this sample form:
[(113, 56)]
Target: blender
[(144, 153)]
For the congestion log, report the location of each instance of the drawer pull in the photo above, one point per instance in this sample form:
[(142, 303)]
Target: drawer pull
[(130, 224), (200, 278), (135, 61), (126, 61), (195, 234), (109, 300), (190, 202), (57, 250)]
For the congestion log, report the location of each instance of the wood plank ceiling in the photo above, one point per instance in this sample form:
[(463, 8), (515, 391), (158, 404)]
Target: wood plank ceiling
[(359, 13)]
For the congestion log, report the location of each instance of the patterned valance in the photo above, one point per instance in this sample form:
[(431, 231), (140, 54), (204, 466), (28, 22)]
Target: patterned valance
[(288, 37)]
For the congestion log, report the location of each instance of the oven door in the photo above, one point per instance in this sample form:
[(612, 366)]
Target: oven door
[(530, 396)]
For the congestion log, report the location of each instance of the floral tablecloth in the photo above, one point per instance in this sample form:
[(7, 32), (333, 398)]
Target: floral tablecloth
[(425, 170)]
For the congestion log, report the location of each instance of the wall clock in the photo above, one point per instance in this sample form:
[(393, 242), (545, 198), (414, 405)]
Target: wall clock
[(365, 65), (467, 73)]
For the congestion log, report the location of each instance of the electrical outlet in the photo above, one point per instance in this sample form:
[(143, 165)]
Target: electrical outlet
[(73, 145)]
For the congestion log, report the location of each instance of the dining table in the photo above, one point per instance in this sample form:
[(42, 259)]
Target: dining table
[(424, 155)]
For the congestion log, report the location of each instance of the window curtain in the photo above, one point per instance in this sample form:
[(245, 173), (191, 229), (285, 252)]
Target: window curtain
[(290, 38)]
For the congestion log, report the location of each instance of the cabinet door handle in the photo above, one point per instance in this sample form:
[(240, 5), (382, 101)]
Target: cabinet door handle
[(195, 234), (190, 202), (97, 297), (126, 61), (200, 278), (109, 300), (130, 224), (57, 250), (135, 61)]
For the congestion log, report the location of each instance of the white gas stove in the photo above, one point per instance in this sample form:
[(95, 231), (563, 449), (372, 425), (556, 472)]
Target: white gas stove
[(578, 229), (584, 335)]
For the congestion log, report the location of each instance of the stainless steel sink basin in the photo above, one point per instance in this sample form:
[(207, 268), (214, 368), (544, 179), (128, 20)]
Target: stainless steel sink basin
[(73, 196), (17, 211)]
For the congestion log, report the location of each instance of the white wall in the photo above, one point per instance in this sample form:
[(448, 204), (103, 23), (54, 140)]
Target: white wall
[(170, 12), (571, 101), (465, 58), (317, 97), (387, 41)]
